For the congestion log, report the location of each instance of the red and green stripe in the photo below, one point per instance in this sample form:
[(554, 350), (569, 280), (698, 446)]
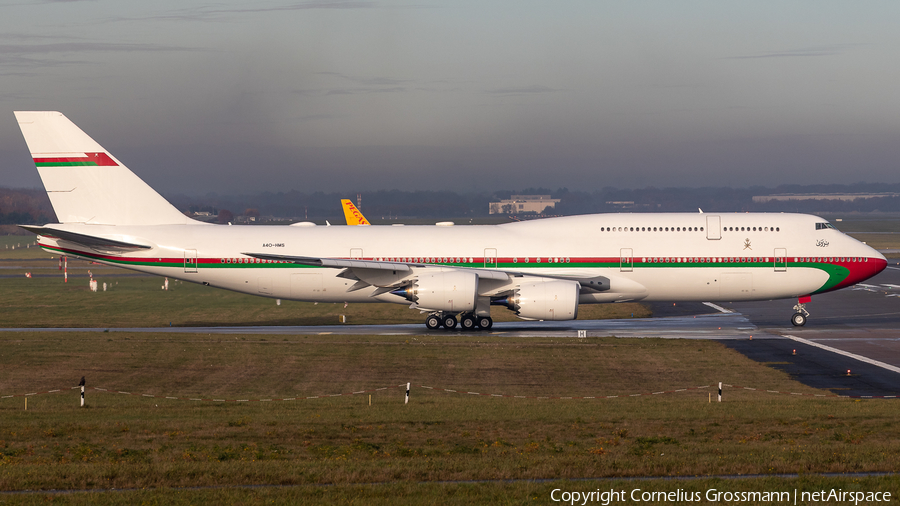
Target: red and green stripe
[(89, 159)]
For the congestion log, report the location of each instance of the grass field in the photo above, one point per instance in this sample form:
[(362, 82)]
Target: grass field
[(135, 441)]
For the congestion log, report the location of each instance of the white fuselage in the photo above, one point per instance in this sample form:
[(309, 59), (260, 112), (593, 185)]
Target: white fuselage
[(650, 257)]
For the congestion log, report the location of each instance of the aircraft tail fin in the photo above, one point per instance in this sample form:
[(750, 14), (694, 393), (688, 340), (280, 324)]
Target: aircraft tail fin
[(85, 183), (353, 215)]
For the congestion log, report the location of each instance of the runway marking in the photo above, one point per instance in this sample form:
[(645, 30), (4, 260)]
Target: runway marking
[(718, 308), (890, 285), (895, 268), (861, 358)]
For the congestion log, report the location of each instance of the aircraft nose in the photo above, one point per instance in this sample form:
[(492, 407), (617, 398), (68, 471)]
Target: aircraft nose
[(875, 264), (868, 265), (878, 258)]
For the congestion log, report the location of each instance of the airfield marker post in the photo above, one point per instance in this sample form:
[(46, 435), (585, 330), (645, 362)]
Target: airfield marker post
[(720, 391), (407, 394)]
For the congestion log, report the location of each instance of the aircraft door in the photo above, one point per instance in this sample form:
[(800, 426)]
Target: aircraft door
[(713, 228), (356, 253), (626, 260), (780, 259), (490, 258), (190, 260)]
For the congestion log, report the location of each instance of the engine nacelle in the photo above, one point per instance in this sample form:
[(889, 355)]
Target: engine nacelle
[(451, 291), (544, 300)]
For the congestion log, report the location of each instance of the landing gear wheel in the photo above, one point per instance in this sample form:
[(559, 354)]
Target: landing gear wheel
[(800, 315), (449, 322), (432, 322), (485, 322), (467, 322)]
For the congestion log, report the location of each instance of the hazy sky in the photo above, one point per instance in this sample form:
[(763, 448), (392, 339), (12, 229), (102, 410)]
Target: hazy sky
[(356, 95)]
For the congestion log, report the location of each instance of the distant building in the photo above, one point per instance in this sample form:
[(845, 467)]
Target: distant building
[(523, 204), (821, 196)]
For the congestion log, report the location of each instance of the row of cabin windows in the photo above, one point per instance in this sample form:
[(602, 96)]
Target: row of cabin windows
[(697, 260), (751, 229), (566, 260), (248, 261), (651, 229), (689, 229), (831, 259)]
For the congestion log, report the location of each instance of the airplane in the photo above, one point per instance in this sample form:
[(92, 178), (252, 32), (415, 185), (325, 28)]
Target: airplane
[(540, 269), (352, 214)]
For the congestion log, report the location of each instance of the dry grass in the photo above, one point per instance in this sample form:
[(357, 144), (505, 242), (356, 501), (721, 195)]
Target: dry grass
[(131, 441)]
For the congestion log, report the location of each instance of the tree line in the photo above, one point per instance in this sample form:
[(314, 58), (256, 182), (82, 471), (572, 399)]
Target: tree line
[(31, 206)]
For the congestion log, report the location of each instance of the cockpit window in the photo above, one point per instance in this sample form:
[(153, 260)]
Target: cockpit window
[(822, 226)]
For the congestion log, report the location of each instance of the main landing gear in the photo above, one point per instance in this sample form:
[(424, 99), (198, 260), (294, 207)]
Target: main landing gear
[(467, 321), (800, 315)]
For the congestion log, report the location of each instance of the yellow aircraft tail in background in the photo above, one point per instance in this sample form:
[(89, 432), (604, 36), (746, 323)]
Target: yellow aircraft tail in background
[(353, 215)]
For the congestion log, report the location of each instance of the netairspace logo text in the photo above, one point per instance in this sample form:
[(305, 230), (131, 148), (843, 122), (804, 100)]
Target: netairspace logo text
[(607, 497)]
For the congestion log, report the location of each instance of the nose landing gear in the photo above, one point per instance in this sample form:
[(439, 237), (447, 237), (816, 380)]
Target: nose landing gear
[(800, 315)]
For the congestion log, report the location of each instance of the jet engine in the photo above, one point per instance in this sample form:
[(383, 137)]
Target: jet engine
[(451, 291), (550, 299)]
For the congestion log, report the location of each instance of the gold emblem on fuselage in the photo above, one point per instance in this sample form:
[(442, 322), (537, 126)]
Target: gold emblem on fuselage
[(747, 244)]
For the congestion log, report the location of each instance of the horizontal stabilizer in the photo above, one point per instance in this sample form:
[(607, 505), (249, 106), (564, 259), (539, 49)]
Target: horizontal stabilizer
[(93, 242)]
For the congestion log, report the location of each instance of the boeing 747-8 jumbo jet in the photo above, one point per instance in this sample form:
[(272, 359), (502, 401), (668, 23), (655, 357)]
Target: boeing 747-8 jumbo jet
[(541, 269)]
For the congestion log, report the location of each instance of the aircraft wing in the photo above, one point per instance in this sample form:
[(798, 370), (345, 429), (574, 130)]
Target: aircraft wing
[(336, 262), (389, 275), (90, 241), (349, 263)]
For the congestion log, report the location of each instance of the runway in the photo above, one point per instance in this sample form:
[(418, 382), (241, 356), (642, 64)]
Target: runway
[(709, 326)]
